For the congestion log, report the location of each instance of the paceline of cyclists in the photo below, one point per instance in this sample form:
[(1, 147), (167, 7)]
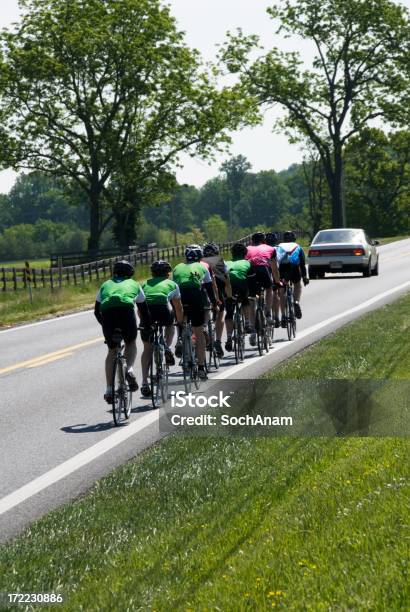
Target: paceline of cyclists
[(204, 282)]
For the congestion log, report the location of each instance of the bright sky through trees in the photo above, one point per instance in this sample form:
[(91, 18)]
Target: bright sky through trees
[(206, 24)]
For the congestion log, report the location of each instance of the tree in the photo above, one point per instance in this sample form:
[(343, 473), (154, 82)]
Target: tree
[(101, 89), (215, 229), (357, 47), (235, 170), (378, 181), (318, 193)]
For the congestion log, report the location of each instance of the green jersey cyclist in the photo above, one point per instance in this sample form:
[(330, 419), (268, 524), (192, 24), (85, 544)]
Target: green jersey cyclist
[(115, 309), (163, 299), (191, 277)]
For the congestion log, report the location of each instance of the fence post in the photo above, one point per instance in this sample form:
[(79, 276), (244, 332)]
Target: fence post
[(43, 277), (75, 275), (82, 273), (4, 278), (60, 272), (90, 275), (14, 279), (34, 278), (27, 279), (51, 279)]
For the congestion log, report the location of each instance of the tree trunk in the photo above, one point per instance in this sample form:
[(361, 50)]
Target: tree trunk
[(94, 239), (334, 177)]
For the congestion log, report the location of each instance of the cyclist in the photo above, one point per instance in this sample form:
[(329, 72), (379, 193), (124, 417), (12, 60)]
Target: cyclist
[(115, 309), (272, 239), (240, 270), (223, 286), (191, 277), (161, 293), (292, 267), (263, 259)]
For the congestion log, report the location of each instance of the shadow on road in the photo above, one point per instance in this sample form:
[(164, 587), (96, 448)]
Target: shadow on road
[(84, 428)]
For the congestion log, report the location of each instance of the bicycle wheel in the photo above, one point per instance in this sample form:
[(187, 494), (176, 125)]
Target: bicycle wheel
[(289, 315), (127, 394), (187, 360), (118, 385), (259, 326), (155, 376), (238, 335)]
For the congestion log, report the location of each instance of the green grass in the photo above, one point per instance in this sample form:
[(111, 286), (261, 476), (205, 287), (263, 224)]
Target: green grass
[(20, 263), (242, 524)]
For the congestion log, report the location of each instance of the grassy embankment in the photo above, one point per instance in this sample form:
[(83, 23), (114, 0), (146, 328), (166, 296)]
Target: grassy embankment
[(242, 524), (15, 306)]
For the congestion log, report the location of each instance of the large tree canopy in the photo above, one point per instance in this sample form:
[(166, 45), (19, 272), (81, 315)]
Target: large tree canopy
[(104, 88), (358, 45)]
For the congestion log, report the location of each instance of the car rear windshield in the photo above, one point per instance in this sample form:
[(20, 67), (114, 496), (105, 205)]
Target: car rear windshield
[(337, 236)]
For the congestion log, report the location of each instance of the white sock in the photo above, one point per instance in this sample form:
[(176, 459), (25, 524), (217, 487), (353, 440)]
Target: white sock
[(130, 370)]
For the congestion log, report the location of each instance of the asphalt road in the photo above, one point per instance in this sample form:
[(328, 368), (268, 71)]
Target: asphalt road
[(56, 432)]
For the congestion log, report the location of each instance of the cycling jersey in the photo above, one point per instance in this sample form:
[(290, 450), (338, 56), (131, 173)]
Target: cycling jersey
[(119, 292), (260, 255), (192, 274), (160, 290), (217, 265), (239, 269), (291, 260)]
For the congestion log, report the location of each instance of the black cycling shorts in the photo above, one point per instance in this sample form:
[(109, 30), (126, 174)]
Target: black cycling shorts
[(193, 302), (119, 317), (160, 313), (290, 272), (221, 290), (240, 290), (261, 278)]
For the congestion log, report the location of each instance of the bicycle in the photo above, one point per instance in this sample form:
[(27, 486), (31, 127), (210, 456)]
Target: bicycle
[(261, 325), (188, 360), (122, 395), (238, 331), (212, 359), (290, 310), (159, 369)]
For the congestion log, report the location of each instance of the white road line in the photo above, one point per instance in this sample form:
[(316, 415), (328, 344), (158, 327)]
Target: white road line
[(93, 452), (69, 316), (75, 463)]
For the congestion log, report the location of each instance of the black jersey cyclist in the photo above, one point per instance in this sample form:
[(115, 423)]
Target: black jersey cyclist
[(190, 278), (219, 270), (164, 302), (272, 239), (115, 309)]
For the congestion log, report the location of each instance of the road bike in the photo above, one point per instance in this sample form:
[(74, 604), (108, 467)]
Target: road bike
[(189, 360), (122, 395), (238, 331), (159, 369), (290, 310)]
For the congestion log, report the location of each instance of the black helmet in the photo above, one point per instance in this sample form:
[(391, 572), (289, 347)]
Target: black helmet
[(160, 268), (258, 238), (272, 238), (123, 269), (193, 252), (210, 249), (239, 250), (289, 237)]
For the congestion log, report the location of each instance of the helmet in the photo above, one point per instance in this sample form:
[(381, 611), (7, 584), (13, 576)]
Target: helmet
[(289, 237), (123, 269), (272, 238), (210, 249), (238, 250), (160, 268), (258, 238), (193, 252)]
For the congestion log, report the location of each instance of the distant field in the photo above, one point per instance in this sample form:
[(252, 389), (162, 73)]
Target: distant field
[(34, 263)]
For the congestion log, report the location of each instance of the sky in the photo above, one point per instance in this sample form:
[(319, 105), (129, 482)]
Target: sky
[(205, 23)]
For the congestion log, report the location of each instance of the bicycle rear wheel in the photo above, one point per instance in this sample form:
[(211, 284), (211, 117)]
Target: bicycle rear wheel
[(259, 326), (156, 378), (118, 391), (187, 361), (290, 315), (238, 336)]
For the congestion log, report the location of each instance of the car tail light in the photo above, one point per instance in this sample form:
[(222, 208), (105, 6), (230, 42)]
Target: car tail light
[(313, 253), (358, 251)]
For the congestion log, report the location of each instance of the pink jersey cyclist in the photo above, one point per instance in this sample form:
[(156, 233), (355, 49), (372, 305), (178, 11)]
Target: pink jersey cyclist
[(260, 255)]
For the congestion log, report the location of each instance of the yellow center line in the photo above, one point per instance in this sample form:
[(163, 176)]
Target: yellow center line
[(41, 358), (40, 363)]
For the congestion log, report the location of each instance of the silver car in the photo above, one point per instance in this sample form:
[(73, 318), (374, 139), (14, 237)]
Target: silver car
[(343, 250)]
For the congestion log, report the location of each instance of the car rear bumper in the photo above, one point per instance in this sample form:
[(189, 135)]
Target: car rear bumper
[(345, 264)]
